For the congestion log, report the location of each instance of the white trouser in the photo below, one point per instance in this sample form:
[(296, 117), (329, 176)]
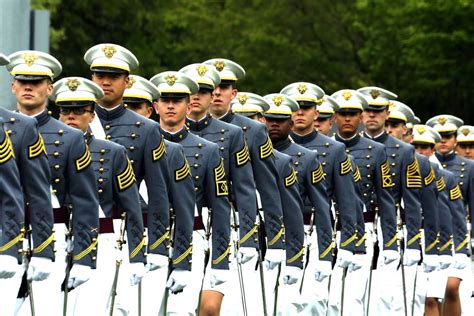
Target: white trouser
[(9, 290), (465, 291)]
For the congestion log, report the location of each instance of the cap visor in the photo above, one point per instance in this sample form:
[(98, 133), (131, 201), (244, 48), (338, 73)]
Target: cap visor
[(31, 77), (110, 70)]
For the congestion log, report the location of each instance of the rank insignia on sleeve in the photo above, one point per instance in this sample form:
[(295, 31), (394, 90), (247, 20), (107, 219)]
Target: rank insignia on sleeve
[(386, 178), (413, 177), (291, 178), (346, 166), (6, 150), (219, 178), (430, 177), (242, 156), (440, 184), (84, 161), (37, 148), (266, 150), (455, 193), (159, 151), (357, 176), (317, 175), (183, 172), (126, 178)]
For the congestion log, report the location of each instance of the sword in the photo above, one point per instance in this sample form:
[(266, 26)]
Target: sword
[(401, 244), (239, 266), (140, 298), (118, 262), (166, 294), (277, 285), (308, 247), (206, 255), (334, 249), (375, 255), (68, 262), (260, 266), (344, 273)]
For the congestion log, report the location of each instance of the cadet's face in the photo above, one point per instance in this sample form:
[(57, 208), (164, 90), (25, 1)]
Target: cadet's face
[(79, 118), (466, 150), (324, 125), (424, 149), (278, 129), (172, 111), (408, 137), (396, 129), (303, 119), (347, 123), (221, 98), (447, 144), (140, 108), (374, 120), (31, 95), (200, 103), (114, 86)]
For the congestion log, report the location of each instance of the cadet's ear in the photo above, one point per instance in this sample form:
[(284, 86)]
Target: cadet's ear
[(405, 130), (49, 89), (92, 117)]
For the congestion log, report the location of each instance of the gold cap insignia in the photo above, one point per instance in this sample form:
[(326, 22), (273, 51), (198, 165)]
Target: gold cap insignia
[(320, 101), (391, 105), (278, 100), (421, 130), (109, 51), (302, 88), (442, 120), (72, 84), (201, 70), (347, 95), (29, 58), (219, 65), (465, 131), (374, 93), (131, 81), (242, 98), (171, 79)]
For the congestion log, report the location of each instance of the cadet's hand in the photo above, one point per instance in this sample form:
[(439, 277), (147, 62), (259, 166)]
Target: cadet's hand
[(245, 254), (461, 261), (273, 257), (390, 256), (137, 271), (156, 261), (219, 276), (178, 280), (445, 261), (291, 275), (411, 257), (357, 262), (344, 258), (79, 274), (39, 269), (8, 266), (322, 270), (430, 263)]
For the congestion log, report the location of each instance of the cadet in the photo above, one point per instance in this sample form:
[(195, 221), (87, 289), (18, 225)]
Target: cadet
[(110, 65), (376, 182), (406, 180), (324, 121), (452, 230), (290, 198), (12, 222), (338, 176), (465, 142), (261, 154), (73, 178), (137, 98), (210, 183), (311, 182), (117, 191), (238, 170), (35, 177)]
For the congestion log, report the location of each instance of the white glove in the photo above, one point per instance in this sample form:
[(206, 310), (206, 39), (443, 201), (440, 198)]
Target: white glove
[(344, 258), (291, 275), (218, 276), (273, 257), (461, 261), (430, 263), (357, 262), (156, 261), (445, 261), (178, 280), (245, 254), (322, 269), (390, 256), (137, 272), (8, 266), (411, 257), (39, 268), (79, 274)]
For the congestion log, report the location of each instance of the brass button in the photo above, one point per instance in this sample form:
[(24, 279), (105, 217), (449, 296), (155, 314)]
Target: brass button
[(323, 163), (370, 147), (100, 191), (296, 163), (393, 164), (244, 128), (13, 120), (101, 170), (222, 139), (199, 145), (299, 154), (57, 180), (56, 167), (108, 137), (132, 148), (102, 151), (326, 144), (196, 156), (60, 132), (222, 131), (57, 142), (137, 124), (101, 160), (196, 188), (221, 148), (56, 154), (195, 165), (196, 177), (133, 135), (368, 166), (107, 127), (100, 180), (368, 156)]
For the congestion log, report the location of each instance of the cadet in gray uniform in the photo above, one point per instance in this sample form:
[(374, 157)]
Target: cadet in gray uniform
[(73, 180), (376, 182), (207, 169), (12, 221), (260, 148), (311, 182), (465, 142), (117, 190)]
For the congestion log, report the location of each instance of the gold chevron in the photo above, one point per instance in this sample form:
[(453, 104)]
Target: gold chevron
[(430, 177), (346, 166), (386, 178), (219, 179), (183, 172), (440, 184), (266, 150), (413, 175), (159, 151), (84, 161), (317, 175), (6, 150), (455, 193), (291, 178), (37, 148), (242, 156), (126, 178)]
